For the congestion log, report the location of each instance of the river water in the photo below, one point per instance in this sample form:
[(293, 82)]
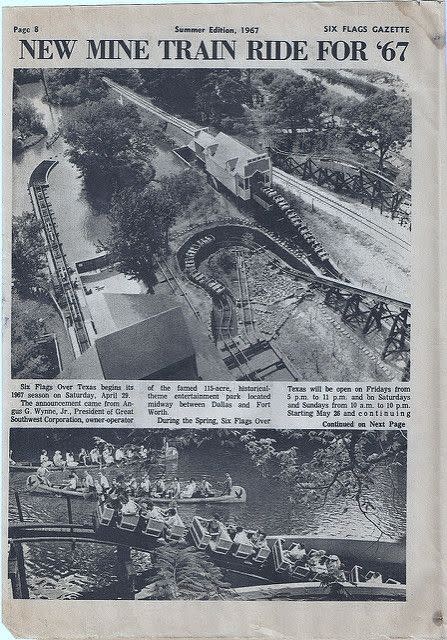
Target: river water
[(55, 570), (80, 226)]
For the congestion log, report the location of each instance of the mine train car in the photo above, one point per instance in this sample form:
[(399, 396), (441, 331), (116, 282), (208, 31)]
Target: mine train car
[(273, 562), (196, 252)]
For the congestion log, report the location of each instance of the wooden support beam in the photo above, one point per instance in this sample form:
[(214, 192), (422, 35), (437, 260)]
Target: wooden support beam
[(126, 573), (17, 572)]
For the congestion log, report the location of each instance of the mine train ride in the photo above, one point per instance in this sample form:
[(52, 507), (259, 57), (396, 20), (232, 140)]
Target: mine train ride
[(384, 562)]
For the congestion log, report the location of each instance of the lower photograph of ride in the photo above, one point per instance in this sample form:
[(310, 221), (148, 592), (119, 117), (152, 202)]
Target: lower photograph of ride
[(207, 514)]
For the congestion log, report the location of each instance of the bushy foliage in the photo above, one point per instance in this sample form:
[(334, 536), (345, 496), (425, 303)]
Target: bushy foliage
[(110, 145), (334, 77), (74, 86), (293, 102), (28, 255), (212, 97), (28, 359), (26, 122), (25, 76), (141, 218), (381, 123), (183, 573)]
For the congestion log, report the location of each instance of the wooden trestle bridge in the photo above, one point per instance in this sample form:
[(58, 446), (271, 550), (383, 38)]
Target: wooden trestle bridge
[(343, 177)]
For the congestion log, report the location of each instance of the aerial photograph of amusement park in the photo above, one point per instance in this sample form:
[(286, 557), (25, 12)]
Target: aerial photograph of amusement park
[(211, 224), (207, 514)]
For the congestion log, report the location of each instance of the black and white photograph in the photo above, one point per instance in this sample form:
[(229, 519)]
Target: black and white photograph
[(207, 514), (211, 224)]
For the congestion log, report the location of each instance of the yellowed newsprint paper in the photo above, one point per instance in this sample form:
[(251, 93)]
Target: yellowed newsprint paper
[(223, 321)]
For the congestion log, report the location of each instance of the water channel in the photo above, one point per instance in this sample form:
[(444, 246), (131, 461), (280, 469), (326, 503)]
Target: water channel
[(80, 226), (58, 571)]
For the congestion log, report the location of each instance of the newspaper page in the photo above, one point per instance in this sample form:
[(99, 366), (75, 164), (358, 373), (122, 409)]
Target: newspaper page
[(221, 224)]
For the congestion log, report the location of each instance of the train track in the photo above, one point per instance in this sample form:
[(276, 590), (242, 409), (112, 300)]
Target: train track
[(147, 104), (280, 176), (175, 284), (283, 178), (235, 353), (244, 297)]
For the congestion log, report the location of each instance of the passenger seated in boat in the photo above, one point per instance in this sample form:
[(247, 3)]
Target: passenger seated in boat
[(173, 519), (145, 485), (189, 490), (174, 489), (295, 553), (107, 455), (143, 452), (154, 511), (95, 455), (215, 526), (72, 483), (89, 483), (70, 461), (119, 455), (43, 474), (83, 457), (160, 487), (44, 456), (103, 481), (11, 461), (227, 485), (58, 460), (129, 507), (130, 454), (204, 489), (240, 537)]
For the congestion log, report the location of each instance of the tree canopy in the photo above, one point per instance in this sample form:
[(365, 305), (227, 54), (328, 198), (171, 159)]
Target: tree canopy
[(29, 268), (343, 464), (381, 123), (28, 360), (74, 86), (212, 97), (293, 102), (26, 121), (141, 218), (110, 145)]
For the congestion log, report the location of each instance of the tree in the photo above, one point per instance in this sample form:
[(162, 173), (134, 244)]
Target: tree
[(74, 86), (293, 102), (110, 146), (381, 123), (141, 219), (186, 574), (29, 267), (343, 464), (26, 119), (140, 222), (27, 358)]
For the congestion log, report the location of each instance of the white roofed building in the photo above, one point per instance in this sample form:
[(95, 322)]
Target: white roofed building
[(231, 163)]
